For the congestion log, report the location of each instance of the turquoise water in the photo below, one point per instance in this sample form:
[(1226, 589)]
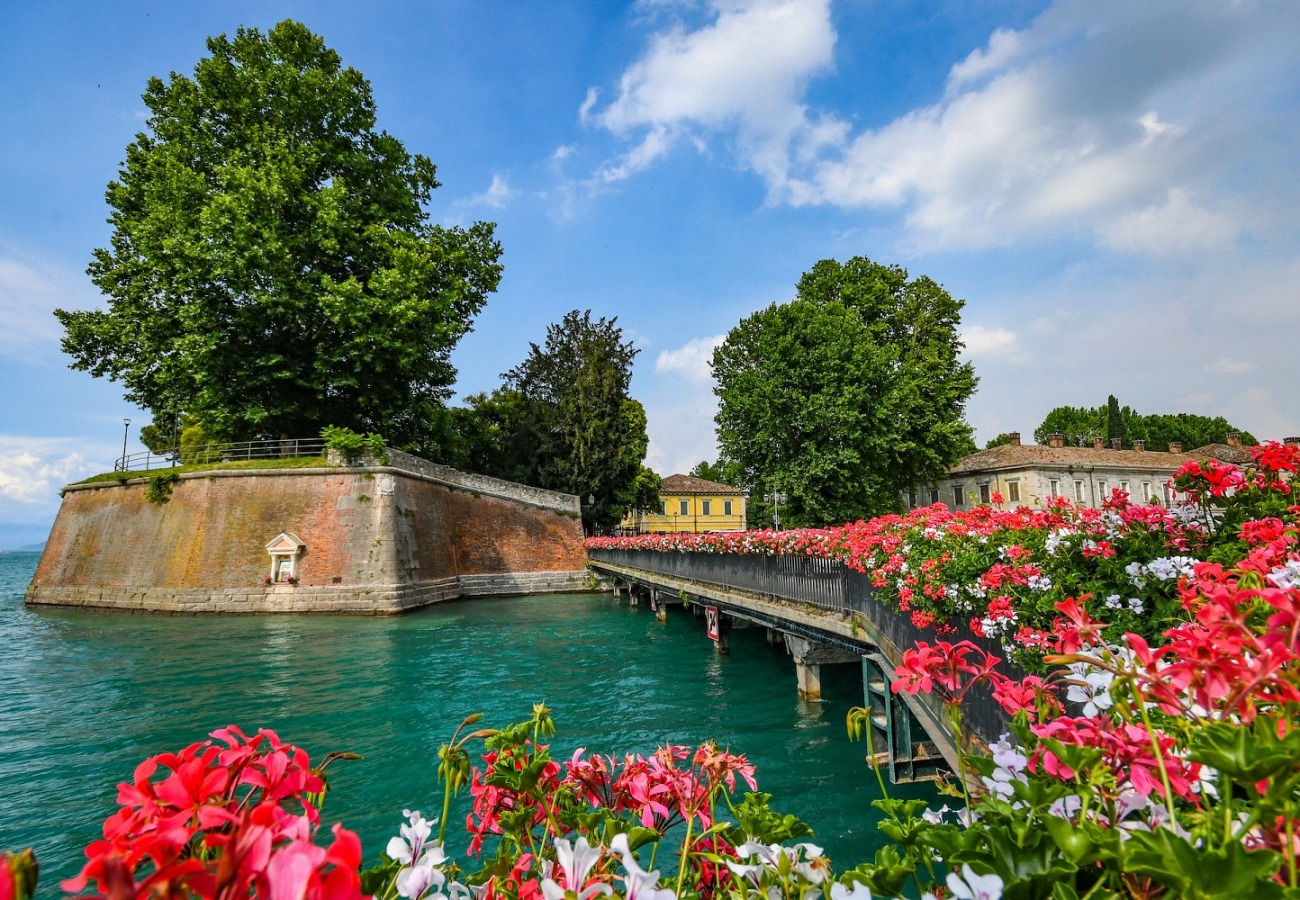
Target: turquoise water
[(86, 696)]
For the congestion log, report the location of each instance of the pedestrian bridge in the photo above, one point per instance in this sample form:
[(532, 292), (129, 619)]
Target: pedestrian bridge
[(825, 614)]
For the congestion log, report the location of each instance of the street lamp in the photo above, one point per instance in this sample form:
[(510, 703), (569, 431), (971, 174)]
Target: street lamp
[(125, 430), (776, 498)]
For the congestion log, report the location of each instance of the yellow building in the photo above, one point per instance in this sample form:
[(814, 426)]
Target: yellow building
[(693, 505)]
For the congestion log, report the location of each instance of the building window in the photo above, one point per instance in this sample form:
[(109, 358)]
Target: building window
[(663, 507), (1146, 492), (911, 499), (1078, 492), (984, 493), (1101, 491), (958, 490), (726, 508), (684, 507), (934, 496), (1123, 486), (1013, 491), (1053, 488), (1169, 497), (281, 568), (706, 507)]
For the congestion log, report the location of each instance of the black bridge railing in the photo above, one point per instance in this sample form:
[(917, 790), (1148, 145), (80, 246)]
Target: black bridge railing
[(199, 454), (826, 584)]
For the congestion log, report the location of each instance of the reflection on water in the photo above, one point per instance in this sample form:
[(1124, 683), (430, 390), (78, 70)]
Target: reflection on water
[(86, 696)]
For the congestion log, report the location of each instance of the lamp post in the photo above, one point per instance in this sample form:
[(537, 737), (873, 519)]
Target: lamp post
[(126, 428), (776, 498)]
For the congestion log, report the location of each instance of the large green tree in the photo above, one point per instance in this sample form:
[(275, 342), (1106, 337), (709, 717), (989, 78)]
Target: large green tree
[(563, 420), (272, 268), (843, 397)]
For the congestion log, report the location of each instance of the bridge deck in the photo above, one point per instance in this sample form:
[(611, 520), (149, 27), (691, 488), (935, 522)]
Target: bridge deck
[(823, 601)]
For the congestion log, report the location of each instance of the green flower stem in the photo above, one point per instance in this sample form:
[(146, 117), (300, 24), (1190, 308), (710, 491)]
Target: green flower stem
[(1155, 747), (681, 866)]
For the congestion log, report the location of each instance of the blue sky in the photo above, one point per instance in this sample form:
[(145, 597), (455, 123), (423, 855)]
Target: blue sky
[(1111, 186)]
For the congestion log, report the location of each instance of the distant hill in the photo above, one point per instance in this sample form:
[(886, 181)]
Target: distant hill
[(25, 536)]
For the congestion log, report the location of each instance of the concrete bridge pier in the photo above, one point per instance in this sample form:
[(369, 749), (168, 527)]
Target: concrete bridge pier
[(658, 605), (722, 643), (809, 657)]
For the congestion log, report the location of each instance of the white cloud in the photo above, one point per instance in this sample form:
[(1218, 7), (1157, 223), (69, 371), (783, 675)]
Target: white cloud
[(1225, 366), (498, 194), (692, 359), (1101, 118), (982, 342), (745, 71), (1177, 226), (33, 469)]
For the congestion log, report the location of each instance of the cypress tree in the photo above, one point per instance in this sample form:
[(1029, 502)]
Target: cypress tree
[(1114, 420)]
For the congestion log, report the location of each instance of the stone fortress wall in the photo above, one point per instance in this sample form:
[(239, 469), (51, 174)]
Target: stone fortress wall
[(378, 540)]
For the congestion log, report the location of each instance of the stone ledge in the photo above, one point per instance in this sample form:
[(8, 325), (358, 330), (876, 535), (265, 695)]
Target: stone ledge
[(378, 600)]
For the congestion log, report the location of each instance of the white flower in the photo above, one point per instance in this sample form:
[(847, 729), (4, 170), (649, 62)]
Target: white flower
[(1114, 601), (1135, 570), (1092, 689), (419, 857), (935, 816), (974, 887), (639, 884), (414, 882), (575, 862), (1066, 807), (1135, 604), (1287, 576), (859, 891), (1011, 765)]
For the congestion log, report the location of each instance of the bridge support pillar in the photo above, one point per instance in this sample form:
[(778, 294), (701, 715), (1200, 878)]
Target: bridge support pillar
[(722, 643), (774, 638), (809, 657), (658, 605), (632, 598)]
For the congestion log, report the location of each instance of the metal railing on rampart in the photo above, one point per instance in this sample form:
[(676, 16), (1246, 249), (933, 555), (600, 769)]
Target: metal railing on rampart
[(201, 454), (827, 584)]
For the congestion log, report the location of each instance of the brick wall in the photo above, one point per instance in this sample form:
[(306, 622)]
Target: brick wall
[(378, 539)]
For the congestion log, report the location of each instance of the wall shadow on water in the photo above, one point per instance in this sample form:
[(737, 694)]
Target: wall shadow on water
[(85, 696)]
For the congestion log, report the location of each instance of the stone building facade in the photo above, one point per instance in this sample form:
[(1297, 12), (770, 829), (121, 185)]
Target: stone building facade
[(1031, 474)]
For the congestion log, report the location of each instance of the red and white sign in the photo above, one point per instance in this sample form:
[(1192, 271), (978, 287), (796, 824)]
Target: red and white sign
[(711, 622)]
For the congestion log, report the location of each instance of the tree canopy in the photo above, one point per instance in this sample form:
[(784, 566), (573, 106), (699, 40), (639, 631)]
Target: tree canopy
[(563, 420), (272, 268), (1081, 425), (846, 395)]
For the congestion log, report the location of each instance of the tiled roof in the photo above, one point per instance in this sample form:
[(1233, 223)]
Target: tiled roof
[(1011, 456), (689, 484), (1238, 456)]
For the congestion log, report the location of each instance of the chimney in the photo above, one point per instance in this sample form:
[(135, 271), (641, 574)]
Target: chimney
[(1139, 446), (1291, 441), (1117, 443), (1015, 438), (1056, 440), (1098, 444), (1175, 446), (1233, 439)]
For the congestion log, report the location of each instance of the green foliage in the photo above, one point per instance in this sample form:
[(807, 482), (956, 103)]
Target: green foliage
[(645, 492), (723, 472), (563, 420), (1081, 425), (272, 268), (352, 446), (847, 394), (159, 488), (1000, 440), (1115, 430)]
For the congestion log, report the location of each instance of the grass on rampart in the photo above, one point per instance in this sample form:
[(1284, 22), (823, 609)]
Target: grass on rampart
[(294, 462)]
